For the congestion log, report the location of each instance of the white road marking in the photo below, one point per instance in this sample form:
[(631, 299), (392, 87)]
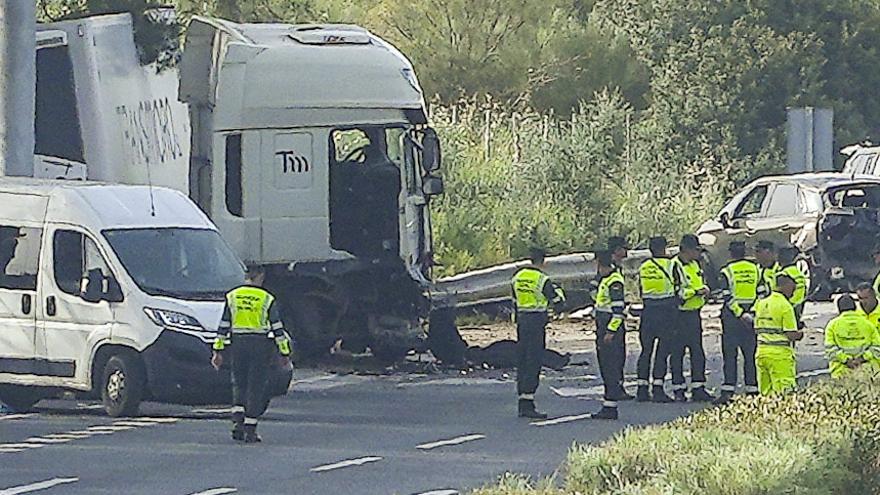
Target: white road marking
[(226, 410), (819, 372), (20, 445), (33, 487), (160, 420), (4, 450), (577, 391), (451, 441), (109, 428), (440, 492), (134, 422), (344, 464), (560, 420), (69, 436), (90, 432), (47, 440), (15, 416), (217, 491)]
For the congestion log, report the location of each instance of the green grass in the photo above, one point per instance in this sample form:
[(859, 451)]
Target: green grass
[(824, 439)]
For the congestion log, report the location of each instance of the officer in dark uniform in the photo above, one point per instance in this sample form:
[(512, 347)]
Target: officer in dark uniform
[(610, 334), (251, 335), (533, 292)]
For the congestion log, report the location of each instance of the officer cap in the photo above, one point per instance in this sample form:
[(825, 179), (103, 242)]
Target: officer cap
[(604, 258), (536, 252), (656, 243), (766, 245), (738, 246), (690, 241), (617, 242), (846, 303)]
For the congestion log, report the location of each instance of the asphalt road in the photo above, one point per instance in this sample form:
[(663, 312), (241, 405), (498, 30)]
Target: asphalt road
[(332, 434)]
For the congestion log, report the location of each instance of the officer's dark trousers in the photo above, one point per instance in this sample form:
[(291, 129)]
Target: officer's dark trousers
[(251, 359), (612, 357), (657, 334), (736, 338), (530, 341), (690, 339)]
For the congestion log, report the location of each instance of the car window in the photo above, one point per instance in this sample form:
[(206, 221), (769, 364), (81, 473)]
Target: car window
[(857, 196), (753, 203), (19, 257), (811, 201), (783, 201), (74, 256)]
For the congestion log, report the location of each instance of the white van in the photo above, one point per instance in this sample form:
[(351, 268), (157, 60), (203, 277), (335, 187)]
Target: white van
[(113, 291)]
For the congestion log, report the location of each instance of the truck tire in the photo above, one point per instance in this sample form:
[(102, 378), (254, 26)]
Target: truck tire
[(123, 385), (20, 398)]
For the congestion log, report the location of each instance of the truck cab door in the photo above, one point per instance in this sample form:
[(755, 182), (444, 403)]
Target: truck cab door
[(19, 270)]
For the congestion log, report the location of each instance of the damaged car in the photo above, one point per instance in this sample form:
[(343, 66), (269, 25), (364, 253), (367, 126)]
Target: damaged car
[(832, 218)]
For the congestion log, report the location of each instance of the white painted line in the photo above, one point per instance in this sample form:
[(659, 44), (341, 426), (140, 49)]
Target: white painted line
[(68, 436), (819, 372), (33, 487), (440, 492), (451, 441), (134, 423), (15, 416), (344, 464), (577, 391), (160, 420), (109, 428), (47, 440), (20, 445), (216, 491), (227, 410), (90, 432), (10, 451), (560, 420)]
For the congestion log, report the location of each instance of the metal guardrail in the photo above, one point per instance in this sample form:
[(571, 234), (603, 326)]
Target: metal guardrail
[(492, 285)]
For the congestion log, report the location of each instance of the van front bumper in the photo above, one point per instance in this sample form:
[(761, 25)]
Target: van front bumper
[(179, 371)]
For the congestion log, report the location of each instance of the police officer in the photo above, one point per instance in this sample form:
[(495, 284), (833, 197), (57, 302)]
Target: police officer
[(740, 283), (787, 261), (776, 326), (851, 340), (250, 335), (765, 255), (690, 324), (869, 306), (619, 249), (533, 292), (610, 334), (660, 280)]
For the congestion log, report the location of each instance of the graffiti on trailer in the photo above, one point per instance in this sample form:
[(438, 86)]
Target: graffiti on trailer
[(149, 131), (291, 162)]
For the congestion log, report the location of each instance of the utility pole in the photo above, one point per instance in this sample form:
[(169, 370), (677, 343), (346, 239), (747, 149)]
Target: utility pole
[(18, 82)]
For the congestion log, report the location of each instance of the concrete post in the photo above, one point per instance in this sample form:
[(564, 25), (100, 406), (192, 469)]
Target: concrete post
[(17, 86)]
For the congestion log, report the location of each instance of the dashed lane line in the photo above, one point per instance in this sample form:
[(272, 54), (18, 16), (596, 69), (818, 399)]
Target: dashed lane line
[(61, 438), (560, 420), (7, 417), (217, 491), (42, 485), (452, 441), (344, 464)]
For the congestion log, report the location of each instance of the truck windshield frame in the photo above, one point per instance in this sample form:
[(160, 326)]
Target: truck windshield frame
[(183, 263)]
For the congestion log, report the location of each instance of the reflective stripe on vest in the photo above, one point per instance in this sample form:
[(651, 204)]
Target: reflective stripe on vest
[(528, 288), (655, 277), (603, 295), (774, 315), (696, 282), (743, 277), (249, 309)]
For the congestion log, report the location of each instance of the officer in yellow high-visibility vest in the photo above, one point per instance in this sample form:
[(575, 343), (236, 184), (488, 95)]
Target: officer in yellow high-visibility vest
[(851, 340), (869, 306), (251, 334), (690, 324), (776, 327), (609, 306), (740, 283), (533, 292), (787, 261), (765, 255), (660, 282)]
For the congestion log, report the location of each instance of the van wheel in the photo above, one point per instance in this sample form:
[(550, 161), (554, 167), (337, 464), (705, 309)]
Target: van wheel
[(19, 398), (122, 386)]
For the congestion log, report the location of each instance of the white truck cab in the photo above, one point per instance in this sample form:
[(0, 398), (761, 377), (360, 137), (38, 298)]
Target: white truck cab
[(110, 290)]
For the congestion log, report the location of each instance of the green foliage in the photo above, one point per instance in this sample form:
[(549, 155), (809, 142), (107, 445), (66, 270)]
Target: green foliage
[(824, 439)]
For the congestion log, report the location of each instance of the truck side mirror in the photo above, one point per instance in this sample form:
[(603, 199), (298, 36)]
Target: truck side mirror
[(432, 186), (431, 153)]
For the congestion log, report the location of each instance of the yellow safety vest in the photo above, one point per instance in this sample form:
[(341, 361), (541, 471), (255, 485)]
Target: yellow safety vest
[(693, 273), (877, 284), (528, 289), (873, 316), (774, 315), (768, 276), (743, 278), (604, 303), (249, 309), (850, 335), (800, 280), (656, 279)]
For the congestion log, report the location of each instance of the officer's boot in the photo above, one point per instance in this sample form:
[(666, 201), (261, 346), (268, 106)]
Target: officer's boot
[(724, 398), (250, 434), (700, 395), (605, 413), (642, 395), (527, 410), (238, 427), (622, 396), (659, 395), (679, 396)]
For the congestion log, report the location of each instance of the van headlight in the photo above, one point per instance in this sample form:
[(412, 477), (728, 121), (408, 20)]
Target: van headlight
[(173, 320)]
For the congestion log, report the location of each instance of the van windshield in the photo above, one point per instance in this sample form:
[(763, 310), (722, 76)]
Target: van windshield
[(193, 264)]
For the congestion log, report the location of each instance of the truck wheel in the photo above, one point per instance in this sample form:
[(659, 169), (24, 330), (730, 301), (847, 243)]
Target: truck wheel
[(122, 386), (19, 398)]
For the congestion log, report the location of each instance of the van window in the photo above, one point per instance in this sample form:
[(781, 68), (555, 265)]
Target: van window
[(19, 257), (74, 256)]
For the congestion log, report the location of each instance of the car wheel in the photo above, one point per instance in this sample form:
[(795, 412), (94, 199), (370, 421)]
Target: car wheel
[(20, 398), (123, 385)]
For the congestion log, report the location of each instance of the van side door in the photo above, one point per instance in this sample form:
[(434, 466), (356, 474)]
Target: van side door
[(72, 326), (19, 268)]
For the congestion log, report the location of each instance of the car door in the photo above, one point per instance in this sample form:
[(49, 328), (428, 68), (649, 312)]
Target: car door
[(782, 216), (70, 325), (19, 270)]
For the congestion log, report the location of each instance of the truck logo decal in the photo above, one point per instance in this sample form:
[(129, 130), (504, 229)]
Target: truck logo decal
[(292, 162), (149, 131)]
